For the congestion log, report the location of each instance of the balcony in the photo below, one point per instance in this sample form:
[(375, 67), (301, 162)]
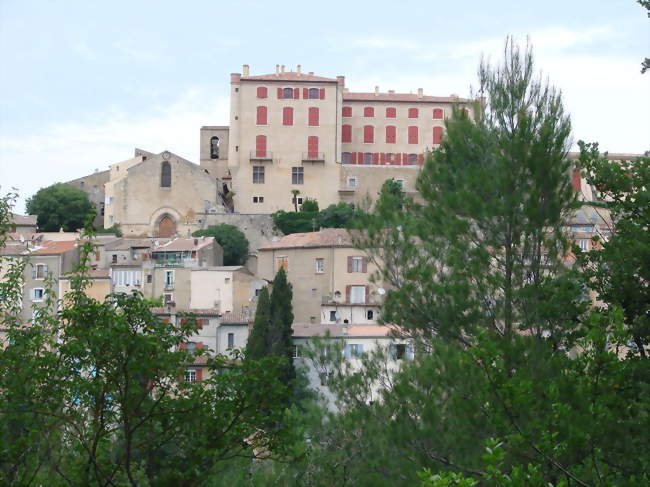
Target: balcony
[(261, 156), (313, 157)]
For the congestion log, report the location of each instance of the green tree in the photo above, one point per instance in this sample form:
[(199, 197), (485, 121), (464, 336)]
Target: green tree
[(340, 215), (60, 206), (645, 65), (257, 344), (309, 206), (232, 239), (289, 222)]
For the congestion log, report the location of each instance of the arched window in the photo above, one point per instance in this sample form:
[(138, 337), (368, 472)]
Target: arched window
[(391, 134), (413, 134), (347, 111), (314, 94), (166, 227), (438, 113), (437, 135), (214, 148), (261, 115), (368, 134), (287, 93), (165, 175), (347, 133), (368, 112)]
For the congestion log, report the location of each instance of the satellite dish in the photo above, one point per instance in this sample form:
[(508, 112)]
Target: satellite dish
[(381, 291)]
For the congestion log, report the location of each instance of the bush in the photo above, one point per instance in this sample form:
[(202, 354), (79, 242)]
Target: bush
[(232, 239)]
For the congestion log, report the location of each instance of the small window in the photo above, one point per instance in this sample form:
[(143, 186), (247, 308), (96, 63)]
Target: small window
[(296, 201), (400, 183), (367, 157), (413, 134), (261, 115), (352, 182), (258, 174), (231, 341), (287, 93), (320, 266), (297, 175), (40, 271), (353, 350), (583, 243), (332, 315), (258, 199), (214, 148), (346, 158), (437, 135), (190, 375), (114, 260), (357, 294), (190, 347), (165, 175), (370, 315), (347, 112), (149, 278), (314, 291), (38, 294), (168, 298), (282, 262), (314, 94), (313, 117), (297, 352), (390, 157), (398, 351), (356, 264), (391, 134), (368, 112), (169, 278), (413, 113), (391, 112)]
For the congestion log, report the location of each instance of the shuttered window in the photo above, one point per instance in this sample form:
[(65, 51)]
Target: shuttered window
[(368, 112), (347, 111), (287, 116), (391, 134), (438, 114), (368, 134), (261, 116), (346, 158), (346, 136), (260, 146), (287, 93), (312, 146), (313, 117), (437, 135), (413, 134), (262, 92), (314, 94), (391, 112), (413, 113)]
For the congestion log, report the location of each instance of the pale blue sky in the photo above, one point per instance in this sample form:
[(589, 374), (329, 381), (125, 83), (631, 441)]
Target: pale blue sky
[(82, 83)]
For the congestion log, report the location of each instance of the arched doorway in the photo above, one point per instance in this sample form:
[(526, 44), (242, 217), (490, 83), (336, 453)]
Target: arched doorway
[(166, 227)]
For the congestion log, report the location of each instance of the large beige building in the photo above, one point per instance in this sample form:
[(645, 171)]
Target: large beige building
[(291, 130)]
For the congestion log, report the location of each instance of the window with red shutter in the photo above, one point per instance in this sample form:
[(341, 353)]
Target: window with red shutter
[(375, 158), (305, 93), (391, 112), (346, 136), (261, 115), (413, 134), (368, 134), (368, 112), (437, 135), (260, 146), (346, 111), (296, 93), (322, 93), (575, 180), (312, 146), (287, 116), (391, 134), (199, 374), (313, 116), (280, 94), (287, 93), (262, 92), (438, 114), (413, 113)]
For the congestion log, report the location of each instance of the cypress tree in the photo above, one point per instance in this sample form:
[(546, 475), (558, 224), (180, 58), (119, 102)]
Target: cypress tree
[(257, 347), (280, 330)]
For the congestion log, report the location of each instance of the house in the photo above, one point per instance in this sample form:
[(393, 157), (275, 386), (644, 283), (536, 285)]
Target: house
[(229, 289)]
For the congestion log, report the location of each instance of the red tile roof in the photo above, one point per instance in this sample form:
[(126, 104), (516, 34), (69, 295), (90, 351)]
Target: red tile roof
[(183, 244), (401, 97), (50, 247), (289, 76), (327, 237)]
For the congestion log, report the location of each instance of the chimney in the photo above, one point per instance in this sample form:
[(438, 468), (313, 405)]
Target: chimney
[(298, 68), (311, 73), (376, 90), (420, 92), (245, 70), (282, 68), (392, 92), (277, 70)]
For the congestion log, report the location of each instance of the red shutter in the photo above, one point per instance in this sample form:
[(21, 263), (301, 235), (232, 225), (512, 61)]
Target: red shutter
[(262, 92), (405, 159), (353, 158), (312, 146), (322, 93), (365, 265), (391, 134), (368, 134), (287, 116), (279, 93), (347, 111), (199, 345), (391, 112), (260, 146), (437, 113), (349, 264), (575, 180), (420, 159), (365, 298), (348, 288), (199, 374), (437, 135), (199, 323), (368, 112), (346, 136), (313, 117), (261, 116), (375, 158), (413, 134), (360, 158), (305, 93), (383, 158), (296, 93), (398, 159), (413, 113)]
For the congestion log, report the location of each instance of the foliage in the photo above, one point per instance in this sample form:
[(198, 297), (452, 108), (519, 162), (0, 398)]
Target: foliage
[(60, 206), (645, 65), (289, 222), (309, 205), (257, 344), (232, 239), (309, 219), (618, 268), (340, 215), (90, 395)]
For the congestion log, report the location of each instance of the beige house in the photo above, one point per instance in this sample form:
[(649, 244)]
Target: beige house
[(229, 289), (99, 285), (327, 274)]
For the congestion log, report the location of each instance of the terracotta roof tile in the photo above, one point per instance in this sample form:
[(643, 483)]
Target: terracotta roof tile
[(401, 97), (24, 219), (51, 247), (288, 76), (327, 237)]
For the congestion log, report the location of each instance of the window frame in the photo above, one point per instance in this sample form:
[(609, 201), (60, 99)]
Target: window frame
[(33, 297), (297, 175), (259, 174), (355, 299), (319, 263), (284, 91), (190, 375), (367, 110), (310, 91)]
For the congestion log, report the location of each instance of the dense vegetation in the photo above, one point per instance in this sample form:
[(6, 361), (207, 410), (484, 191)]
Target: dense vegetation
[(60, 206), (232, 240), (310, 219)]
